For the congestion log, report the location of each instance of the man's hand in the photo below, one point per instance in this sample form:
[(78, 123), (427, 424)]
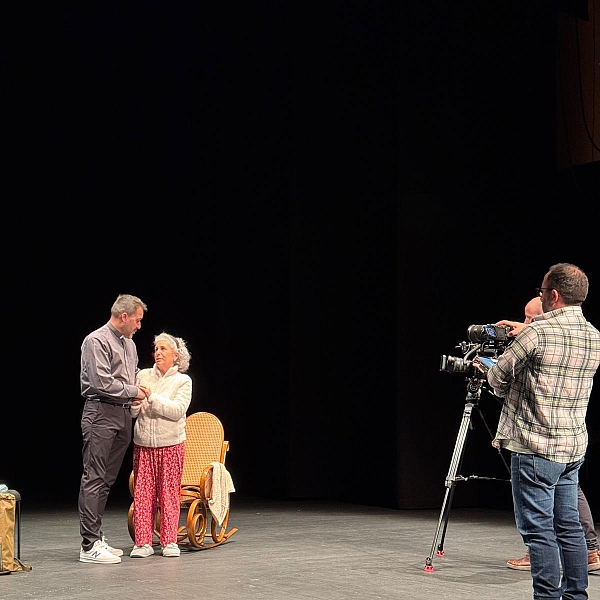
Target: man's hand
[(479, 366), (515, 327), (143, 392)]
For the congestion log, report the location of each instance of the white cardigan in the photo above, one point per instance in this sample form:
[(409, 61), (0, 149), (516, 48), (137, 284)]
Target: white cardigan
[(161, 417)]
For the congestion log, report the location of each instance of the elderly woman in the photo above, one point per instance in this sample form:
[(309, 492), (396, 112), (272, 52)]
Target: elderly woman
[(158, 451)]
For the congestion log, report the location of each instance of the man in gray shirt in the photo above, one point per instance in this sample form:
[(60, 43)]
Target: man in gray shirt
[(109, 363)]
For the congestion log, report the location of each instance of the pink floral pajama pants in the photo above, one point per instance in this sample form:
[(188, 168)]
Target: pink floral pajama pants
[(157, 483)]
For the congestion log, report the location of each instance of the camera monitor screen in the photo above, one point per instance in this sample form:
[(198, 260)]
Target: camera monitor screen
[(487, 361)]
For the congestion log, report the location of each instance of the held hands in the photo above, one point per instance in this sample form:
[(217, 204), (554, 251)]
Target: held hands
[(143, 393)]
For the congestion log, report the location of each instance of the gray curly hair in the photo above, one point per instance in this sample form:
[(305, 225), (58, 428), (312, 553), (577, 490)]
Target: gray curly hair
[(179, 347)]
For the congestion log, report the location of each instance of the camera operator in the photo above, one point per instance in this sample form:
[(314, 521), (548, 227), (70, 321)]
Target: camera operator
[(533, 309), (545, 377)]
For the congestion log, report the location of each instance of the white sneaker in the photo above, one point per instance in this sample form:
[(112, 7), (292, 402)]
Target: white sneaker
[(142, 551), (115, 551), (171, 549), (98, 553)]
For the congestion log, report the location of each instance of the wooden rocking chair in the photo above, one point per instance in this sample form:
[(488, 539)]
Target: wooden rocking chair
[(205, 486)]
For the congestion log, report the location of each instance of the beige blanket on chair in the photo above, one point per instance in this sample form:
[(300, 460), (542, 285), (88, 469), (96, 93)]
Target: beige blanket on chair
[(222, 486)]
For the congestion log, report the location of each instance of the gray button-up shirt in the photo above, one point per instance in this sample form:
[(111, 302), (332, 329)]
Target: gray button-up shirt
[(108, 366)]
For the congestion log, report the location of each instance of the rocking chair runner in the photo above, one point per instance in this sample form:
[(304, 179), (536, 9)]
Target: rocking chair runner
[(205, 486)]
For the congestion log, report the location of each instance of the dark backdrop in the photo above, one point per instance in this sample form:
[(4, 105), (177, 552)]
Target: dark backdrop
[(319, 201)]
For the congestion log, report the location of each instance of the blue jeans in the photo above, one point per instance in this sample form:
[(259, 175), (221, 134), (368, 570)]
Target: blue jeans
[(546, 514)]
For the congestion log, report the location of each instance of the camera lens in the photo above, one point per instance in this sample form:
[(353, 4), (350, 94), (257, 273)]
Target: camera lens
[(454, 364)]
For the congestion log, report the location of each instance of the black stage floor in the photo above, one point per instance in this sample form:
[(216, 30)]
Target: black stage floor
[(291, 550)]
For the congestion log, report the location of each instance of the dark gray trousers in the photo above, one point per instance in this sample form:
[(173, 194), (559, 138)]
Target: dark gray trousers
[(587, 521), (106, 432)]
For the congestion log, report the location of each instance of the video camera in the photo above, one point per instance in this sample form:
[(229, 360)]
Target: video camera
[(484, 340)]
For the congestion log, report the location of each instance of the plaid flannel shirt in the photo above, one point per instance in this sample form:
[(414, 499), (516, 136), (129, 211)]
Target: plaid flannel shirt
[(545, 377)]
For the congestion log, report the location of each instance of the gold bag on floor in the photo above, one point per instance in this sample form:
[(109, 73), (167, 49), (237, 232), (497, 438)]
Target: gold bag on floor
[(7, 534)]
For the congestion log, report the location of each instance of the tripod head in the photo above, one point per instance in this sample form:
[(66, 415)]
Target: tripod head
[(474, 387)]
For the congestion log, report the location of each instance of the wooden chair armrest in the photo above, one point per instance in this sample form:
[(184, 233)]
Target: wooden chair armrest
[(206, 482)]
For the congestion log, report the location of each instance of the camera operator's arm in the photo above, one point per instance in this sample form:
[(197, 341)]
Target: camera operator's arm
[(511, 362), (515, 327)]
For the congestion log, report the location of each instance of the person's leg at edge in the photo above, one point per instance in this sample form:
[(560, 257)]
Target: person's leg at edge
[(533, 481), (587, 521), (569, 534)]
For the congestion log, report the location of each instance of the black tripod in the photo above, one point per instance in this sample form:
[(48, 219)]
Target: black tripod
[(474, 386)]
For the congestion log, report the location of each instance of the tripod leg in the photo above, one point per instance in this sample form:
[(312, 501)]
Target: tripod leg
[(451, 480), (440, 547)]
